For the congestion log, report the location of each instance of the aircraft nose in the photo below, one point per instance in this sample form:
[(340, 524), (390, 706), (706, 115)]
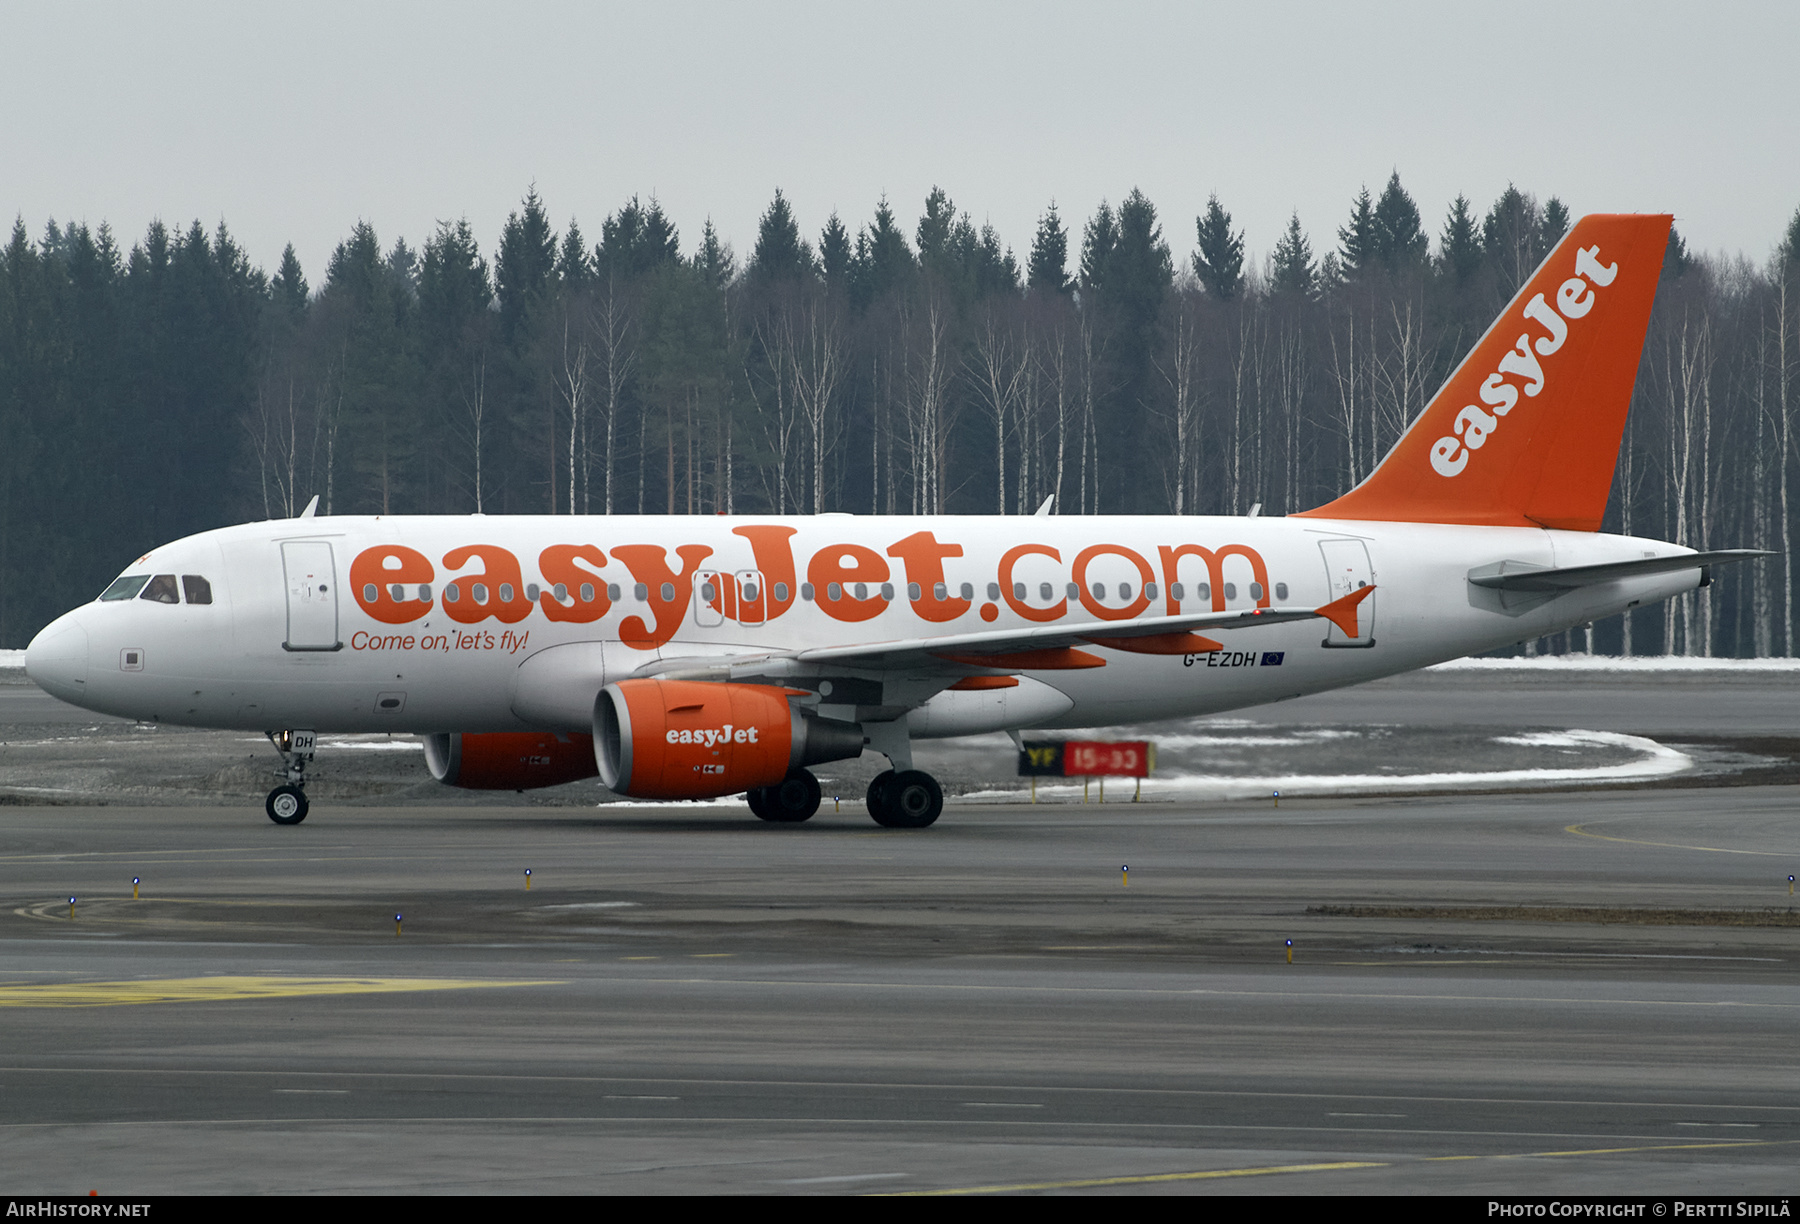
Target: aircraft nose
[(57, 659)]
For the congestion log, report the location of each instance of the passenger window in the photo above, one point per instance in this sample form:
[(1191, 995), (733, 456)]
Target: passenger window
[(161, 589), (781, 592), (914, 593), (1231, 590), (1018, 590), (197, 589), (641, 593), (1256, 591), (806, 591), (1281, 591), (125, 587), (993, 590), (1125, 591), (968, 590), (1149, 590), (1046, 592), (612, 592), (668, 592), (1178, 591)]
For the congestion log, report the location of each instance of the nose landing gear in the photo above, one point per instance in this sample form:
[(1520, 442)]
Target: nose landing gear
[(287, 804)]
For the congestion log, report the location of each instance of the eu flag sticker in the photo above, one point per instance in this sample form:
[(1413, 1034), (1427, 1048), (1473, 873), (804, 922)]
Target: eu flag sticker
[(1272, 658)]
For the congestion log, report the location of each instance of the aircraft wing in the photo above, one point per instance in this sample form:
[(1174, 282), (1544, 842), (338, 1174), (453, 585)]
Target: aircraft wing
[(1038, 648)]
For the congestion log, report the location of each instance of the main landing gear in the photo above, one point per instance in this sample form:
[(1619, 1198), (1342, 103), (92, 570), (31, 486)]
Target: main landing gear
[(793, 799), (287, 804), (907, 799)]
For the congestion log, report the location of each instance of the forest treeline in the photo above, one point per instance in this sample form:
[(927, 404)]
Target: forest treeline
[(908, 367)]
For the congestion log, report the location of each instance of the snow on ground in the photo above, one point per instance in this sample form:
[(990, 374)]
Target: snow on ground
[(1647, 759), (1612, 663)]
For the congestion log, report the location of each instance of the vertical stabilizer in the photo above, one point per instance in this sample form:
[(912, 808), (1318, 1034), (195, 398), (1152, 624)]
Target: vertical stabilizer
[(1526, 431)]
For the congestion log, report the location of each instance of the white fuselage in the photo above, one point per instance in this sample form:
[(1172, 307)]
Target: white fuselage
[(290, 638)]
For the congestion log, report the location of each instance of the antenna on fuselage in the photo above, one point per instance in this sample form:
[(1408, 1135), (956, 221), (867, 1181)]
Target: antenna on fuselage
[(311, 506), (1043, 511)]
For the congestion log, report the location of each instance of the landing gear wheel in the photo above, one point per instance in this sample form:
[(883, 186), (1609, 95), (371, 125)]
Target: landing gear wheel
[(793, 799), (878, 790), (906, 800), (286, 805), (758, 798)]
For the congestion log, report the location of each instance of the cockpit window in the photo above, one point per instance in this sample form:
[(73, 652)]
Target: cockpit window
[(161, 589), (125, 587), (197, 589)]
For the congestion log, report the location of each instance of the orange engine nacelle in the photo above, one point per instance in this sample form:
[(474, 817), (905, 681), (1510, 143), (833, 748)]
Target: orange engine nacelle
[(690, 739), (509, 760)]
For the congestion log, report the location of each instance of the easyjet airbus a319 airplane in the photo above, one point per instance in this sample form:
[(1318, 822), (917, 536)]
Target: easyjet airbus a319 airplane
[(691, 658)]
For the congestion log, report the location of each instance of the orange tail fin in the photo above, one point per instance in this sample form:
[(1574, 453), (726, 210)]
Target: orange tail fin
[(1526, 431)]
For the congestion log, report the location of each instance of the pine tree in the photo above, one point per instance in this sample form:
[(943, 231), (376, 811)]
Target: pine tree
[(1047, 269), (1555, 223), (1219, 255), (402, 266), (573, 264), (779, 253), (935, 235), (289, 285), (1789, 250), (453, 280), (883, 260), (1357, 242), (525, 264), (1099, 239), (1676, 260), (714, 260), (1399, 230), (996, 271), (1512, 236), (835, 253), (662, 244), (1291, 268), (1459, 245)]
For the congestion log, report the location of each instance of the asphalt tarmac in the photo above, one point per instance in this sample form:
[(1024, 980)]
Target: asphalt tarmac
[(1555, 992)]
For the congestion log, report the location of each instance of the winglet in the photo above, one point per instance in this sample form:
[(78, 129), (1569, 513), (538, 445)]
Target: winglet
[(1044, 510), (312, 507), (1342, 612)]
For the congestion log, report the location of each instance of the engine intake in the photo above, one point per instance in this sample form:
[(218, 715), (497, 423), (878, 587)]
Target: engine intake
[(509, 760), (689, 739)]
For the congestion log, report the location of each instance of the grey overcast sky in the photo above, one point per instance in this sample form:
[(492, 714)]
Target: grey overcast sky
[(291, 122)]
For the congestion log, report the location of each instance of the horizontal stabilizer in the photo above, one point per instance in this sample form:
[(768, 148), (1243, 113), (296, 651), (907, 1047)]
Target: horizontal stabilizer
[(1524, 576)]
